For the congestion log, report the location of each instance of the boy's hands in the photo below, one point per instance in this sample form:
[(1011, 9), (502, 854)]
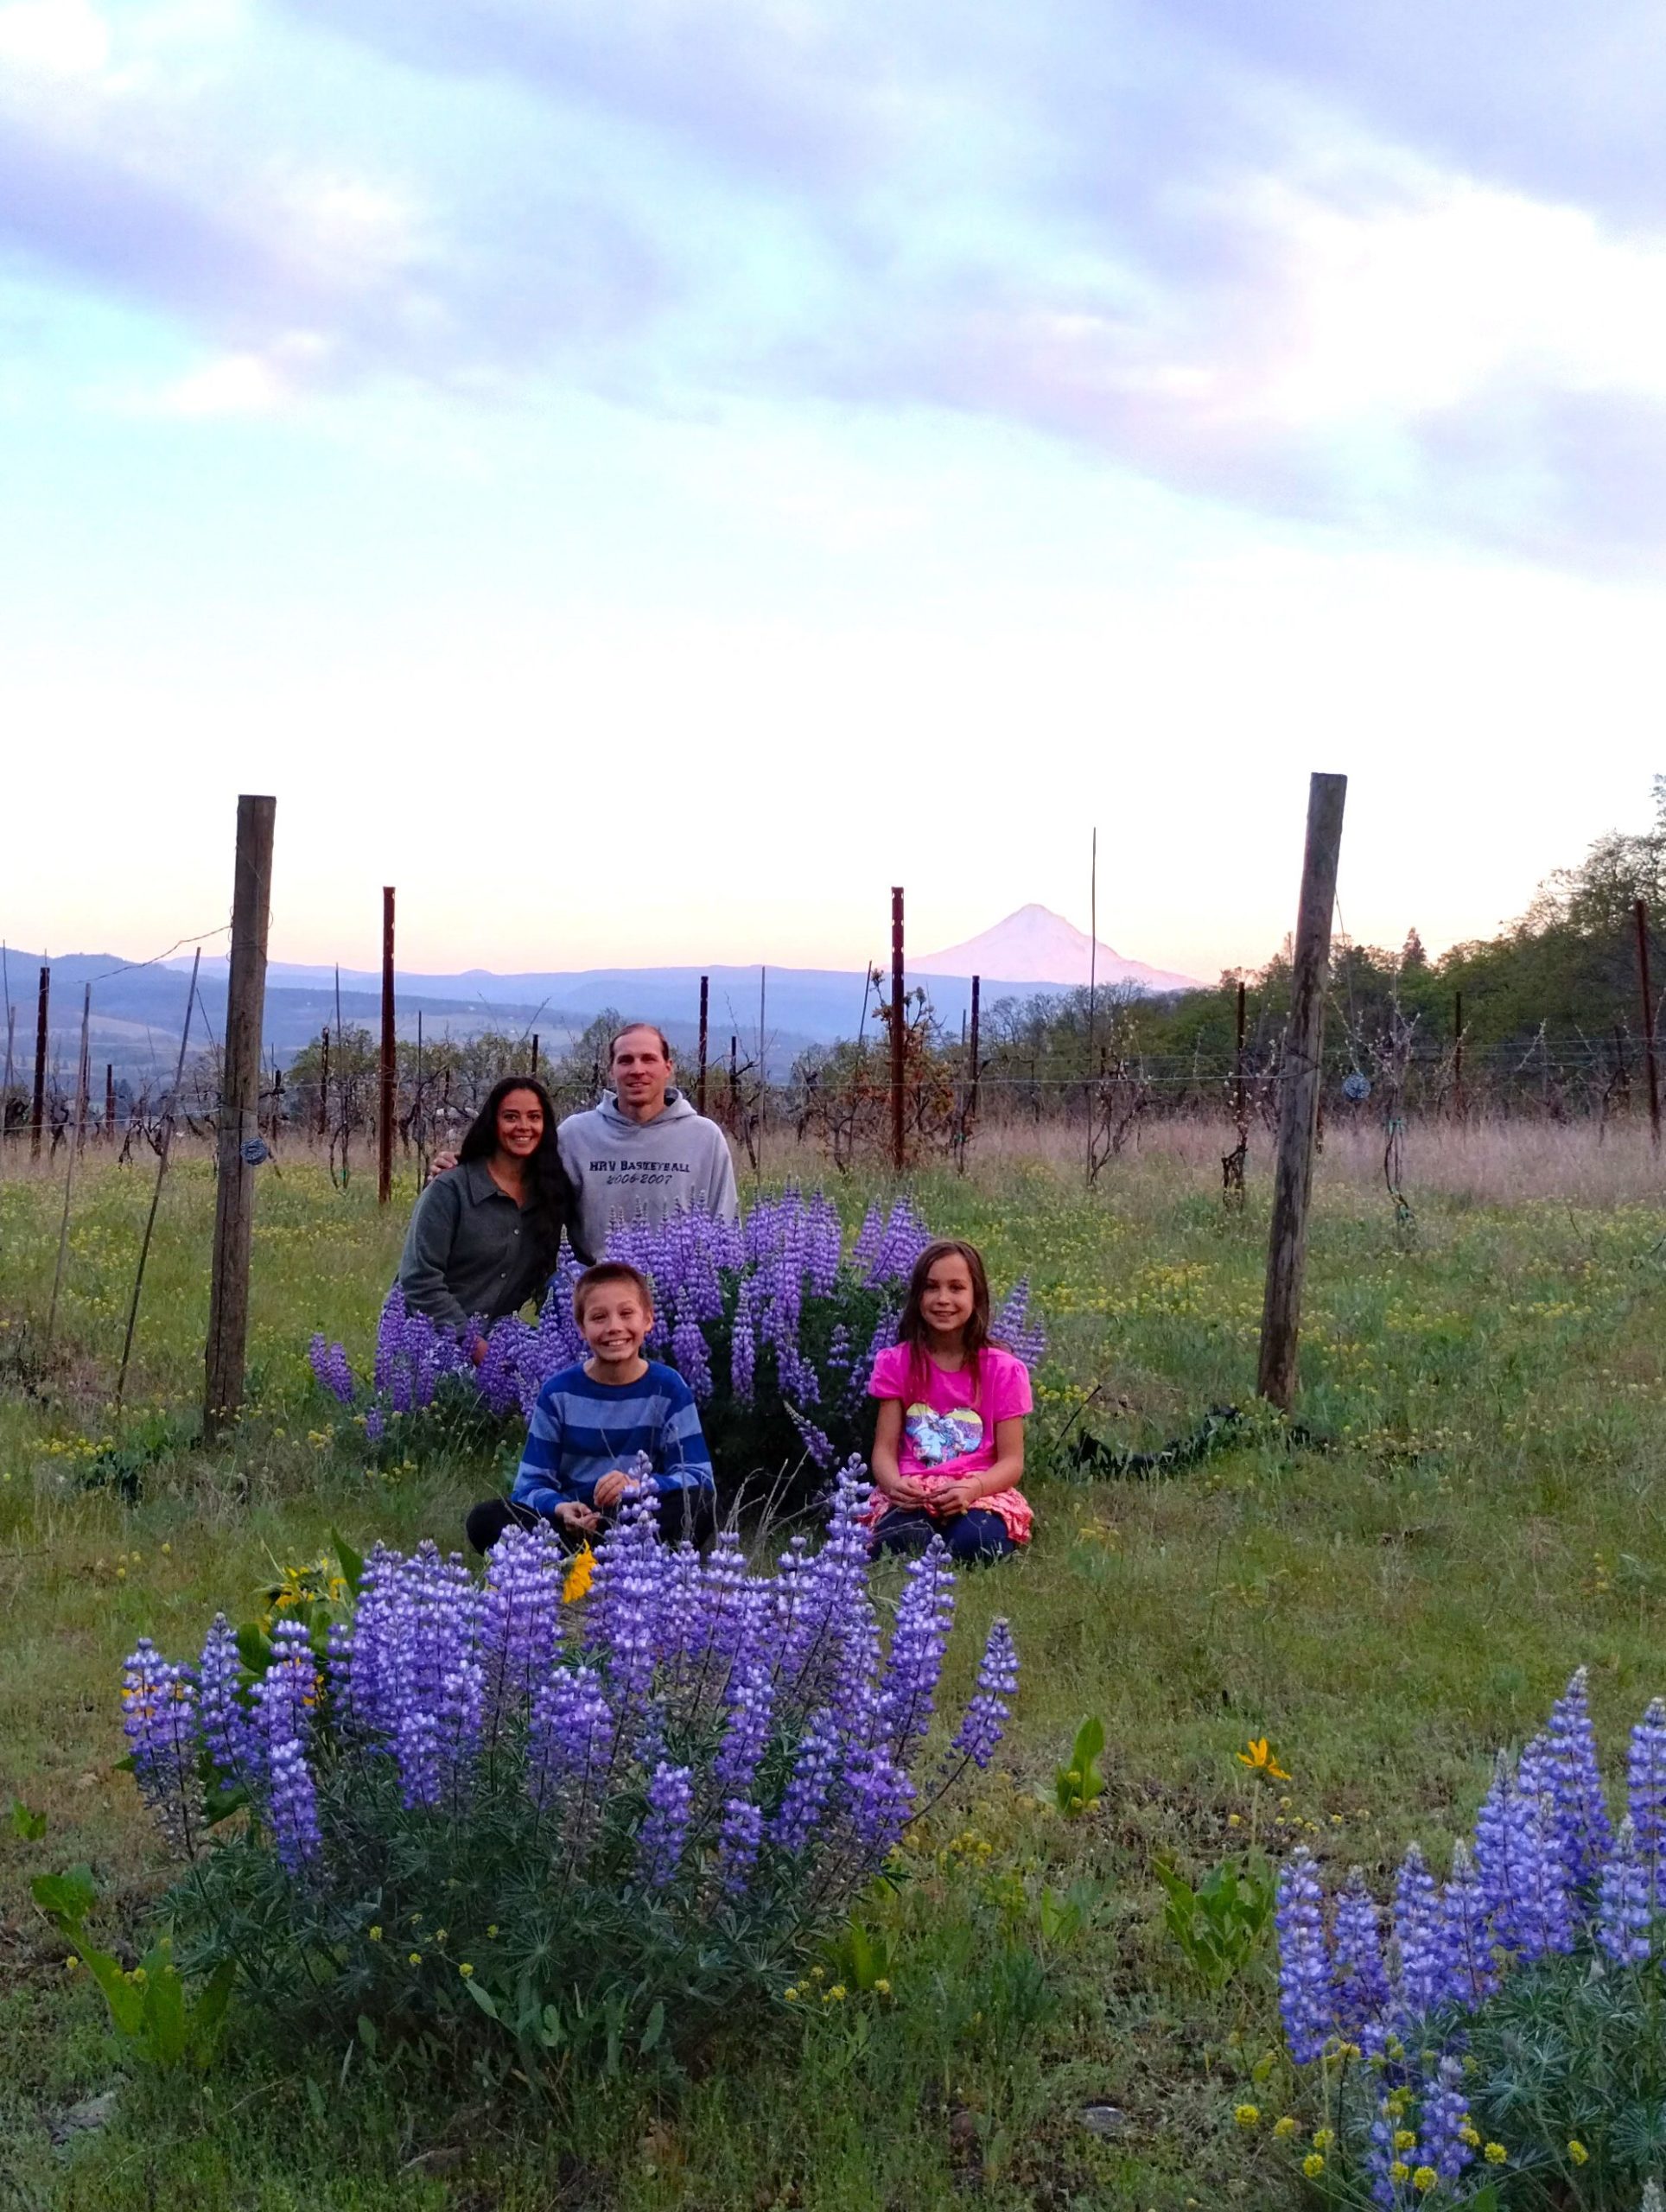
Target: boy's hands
[(612, 1487), (579, 1518)]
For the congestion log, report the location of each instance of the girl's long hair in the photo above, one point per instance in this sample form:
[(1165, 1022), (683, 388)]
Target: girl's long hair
[(974, 1336), (551, 1191)]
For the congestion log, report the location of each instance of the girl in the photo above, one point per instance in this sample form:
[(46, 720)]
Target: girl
[(485, 1236), (949, 1444)]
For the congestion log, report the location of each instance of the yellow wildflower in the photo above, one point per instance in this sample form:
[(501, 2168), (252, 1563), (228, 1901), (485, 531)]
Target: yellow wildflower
[(1323, 2138), (375, 1935), (1247, 2115), (579, 1576), (1424, 2180), (882, 1987), (1495, 2154), (1404, 2138), (1261, 1758), (1284, 2128), (415, 1959), (791, 1994), (465, 1970), (1399, 2171), (1577, 2151), (1313, 2165)]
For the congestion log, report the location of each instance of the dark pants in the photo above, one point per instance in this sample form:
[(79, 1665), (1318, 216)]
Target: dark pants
[(681, 1513), (973, 1536)]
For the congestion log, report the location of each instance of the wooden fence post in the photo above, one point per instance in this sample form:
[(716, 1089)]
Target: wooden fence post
[(239, 1117), (1640, 915), (385, 1098), (37, 1121), (1300, 1079), (898, 1152)]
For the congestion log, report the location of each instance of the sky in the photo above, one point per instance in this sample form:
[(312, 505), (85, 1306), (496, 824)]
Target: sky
[(643, 480)]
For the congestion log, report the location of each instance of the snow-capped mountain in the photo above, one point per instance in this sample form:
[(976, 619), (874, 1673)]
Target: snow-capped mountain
[(1035, 945)]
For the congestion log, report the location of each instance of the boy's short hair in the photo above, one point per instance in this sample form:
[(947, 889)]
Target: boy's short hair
[(610, 1271)]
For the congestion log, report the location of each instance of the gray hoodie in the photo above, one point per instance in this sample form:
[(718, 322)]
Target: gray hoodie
[(621, 1168)]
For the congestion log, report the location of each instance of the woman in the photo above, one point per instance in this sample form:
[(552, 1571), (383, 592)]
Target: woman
[(485, 1236)]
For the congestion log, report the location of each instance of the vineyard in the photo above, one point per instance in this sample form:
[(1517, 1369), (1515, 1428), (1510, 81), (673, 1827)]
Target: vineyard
[(1378, 1597)]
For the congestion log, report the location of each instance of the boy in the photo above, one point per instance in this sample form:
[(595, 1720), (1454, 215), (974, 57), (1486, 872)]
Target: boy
[(591, 1422)]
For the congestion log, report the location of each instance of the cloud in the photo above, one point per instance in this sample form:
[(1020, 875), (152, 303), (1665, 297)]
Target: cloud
[(1375, 270)]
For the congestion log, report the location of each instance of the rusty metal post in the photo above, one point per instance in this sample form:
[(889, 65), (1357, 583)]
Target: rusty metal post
[(705, 1016), (110, 1100), (1458, 1054), (239, 1146), (324, 1084), (37, 1119), (897, 1140), (1640, 916), (535, 1051), (385, 1102), (1301, 1074), (1237, 1063)]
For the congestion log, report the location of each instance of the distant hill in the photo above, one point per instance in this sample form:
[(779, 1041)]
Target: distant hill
[(136, 1011), (1036, 946)]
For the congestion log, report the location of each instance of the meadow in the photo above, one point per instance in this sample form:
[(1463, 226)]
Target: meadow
[(1466, 1509)]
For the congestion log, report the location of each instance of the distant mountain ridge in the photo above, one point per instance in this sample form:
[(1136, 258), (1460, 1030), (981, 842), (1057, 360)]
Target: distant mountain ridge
[(137, 1010)]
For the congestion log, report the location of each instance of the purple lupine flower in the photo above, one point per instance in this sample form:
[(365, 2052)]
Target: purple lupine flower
[(738, 1839), (1018, 1329), (159, 1720), (925, 1614), (376, 1426), (805, 1799), (1535, 1918), (664, 1827), (287, 1693), (226, 1729), (997, 1685), (1623, 1914), (1585, 1831), (1424, 1973), (817, 1442), (863, 1251), (569, 1734), (294, 1806), (1466, 1926), (1357, 1971), (743, 1350), (330, 1366), (880, 1797), (1444, 2123), (750, 1698), (1305, 2000), (521, 1624), (624, 1610), (1382, 2155), (1645, 1783), (691, 1355)]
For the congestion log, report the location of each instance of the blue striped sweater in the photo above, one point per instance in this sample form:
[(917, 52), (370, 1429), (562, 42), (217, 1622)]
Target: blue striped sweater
[(580, 1430)]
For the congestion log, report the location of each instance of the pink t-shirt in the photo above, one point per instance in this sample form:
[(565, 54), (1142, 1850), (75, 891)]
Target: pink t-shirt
[(944, 1436)]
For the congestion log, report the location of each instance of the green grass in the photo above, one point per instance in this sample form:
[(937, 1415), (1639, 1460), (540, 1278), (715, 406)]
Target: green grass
[(1470, 1512)]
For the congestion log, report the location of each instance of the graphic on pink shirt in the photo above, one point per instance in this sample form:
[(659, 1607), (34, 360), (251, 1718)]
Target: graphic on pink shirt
[(934, 1437)]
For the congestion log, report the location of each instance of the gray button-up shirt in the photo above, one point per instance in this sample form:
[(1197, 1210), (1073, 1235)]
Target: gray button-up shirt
[(470, 1249)]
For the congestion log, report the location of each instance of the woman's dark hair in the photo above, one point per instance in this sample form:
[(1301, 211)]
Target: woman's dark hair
[(911, 1328), (551, 1192)]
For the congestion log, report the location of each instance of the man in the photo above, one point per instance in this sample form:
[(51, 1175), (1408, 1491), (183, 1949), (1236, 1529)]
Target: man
[(644, 1149)]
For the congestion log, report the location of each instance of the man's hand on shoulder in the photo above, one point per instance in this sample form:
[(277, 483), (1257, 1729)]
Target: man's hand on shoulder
[(442, 1164)]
